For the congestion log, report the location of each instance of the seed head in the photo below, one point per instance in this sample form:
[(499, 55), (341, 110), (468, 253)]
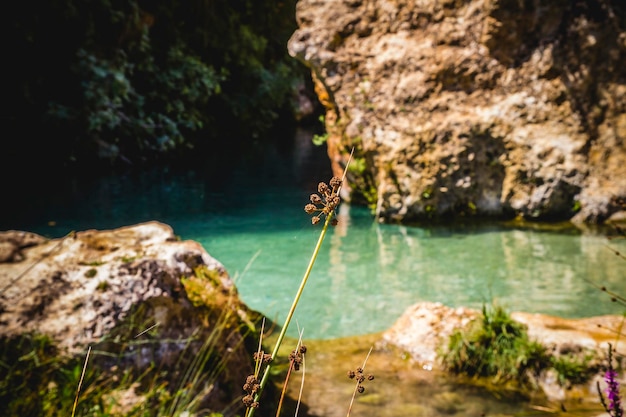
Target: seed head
[(323, 189), (360, 378), (316, 199), (325, 202), (248, 401), (262, 356), (335, 182)]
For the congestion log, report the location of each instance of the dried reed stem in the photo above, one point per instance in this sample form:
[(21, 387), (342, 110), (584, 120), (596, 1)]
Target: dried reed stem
[(80, 382), (358, 382), (329, 217)]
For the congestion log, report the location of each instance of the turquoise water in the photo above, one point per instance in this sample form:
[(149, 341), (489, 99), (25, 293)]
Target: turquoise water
[(252, 220), (367, 274)]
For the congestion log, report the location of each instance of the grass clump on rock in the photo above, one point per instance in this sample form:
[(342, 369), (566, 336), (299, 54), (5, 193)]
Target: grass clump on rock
[(496, 347)]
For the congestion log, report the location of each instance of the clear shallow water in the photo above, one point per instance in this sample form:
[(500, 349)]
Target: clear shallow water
[(366, 274)]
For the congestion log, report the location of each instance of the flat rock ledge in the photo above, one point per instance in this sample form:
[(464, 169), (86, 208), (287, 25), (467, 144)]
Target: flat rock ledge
[(426, 326)]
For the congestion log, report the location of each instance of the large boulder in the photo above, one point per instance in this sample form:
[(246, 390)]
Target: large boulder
[(476, 107), (137, 295)]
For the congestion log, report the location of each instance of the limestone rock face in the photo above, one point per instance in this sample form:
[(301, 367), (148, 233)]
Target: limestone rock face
[(476, 107), (136, 292)]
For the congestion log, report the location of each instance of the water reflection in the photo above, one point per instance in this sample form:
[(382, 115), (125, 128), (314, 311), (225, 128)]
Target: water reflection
[(375, 271)]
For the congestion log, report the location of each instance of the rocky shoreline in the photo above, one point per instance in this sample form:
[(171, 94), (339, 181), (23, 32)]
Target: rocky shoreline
[(79, 289)]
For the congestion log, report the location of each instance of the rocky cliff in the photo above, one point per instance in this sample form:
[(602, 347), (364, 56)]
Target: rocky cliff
[(473, 107)]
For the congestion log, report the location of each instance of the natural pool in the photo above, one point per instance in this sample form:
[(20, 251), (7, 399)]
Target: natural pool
[(252, 220), (367, 273)]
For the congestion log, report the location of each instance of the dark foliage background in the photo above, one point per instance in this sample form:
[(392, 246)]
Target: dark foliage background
[(121, 83)]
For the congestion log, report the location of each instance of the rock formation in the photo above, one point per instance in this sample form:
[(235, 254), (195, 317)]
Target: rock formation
[(475, 107), (142, 296), (409, 378), (424, 328), (135, 294)]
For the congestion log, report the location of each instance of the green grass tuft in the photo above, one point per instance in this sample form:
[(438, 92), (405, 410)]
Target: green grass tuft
[(497, 347)]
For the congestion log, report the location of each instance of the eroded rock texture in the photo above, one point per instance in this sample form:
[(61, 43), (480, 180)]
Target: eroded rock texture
[(475, 107), (137, 295)]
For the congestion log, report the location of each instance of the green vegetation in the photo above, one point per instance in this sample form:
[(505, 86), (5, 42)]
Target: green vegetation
[(135, 82), (102, 286), (94, 263), (319, 140), (497, 347), (36, 380), (574, 369), (364, 189)]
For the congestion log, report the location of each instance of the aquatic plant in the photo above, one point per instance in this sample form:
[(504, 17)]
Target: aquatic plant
[(322, 206), (296, 360), (359, 377)]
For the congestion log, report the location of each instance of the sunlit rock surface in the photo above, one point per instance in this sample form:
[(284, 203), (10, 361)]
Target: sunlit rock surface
[(136, 292), (425, 327), (474, 107), (78, 288), (409, 380), (83, 290)]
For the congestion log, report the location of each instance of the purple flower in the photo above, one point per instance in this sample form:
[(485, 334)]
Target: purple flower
[(612, 393)]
